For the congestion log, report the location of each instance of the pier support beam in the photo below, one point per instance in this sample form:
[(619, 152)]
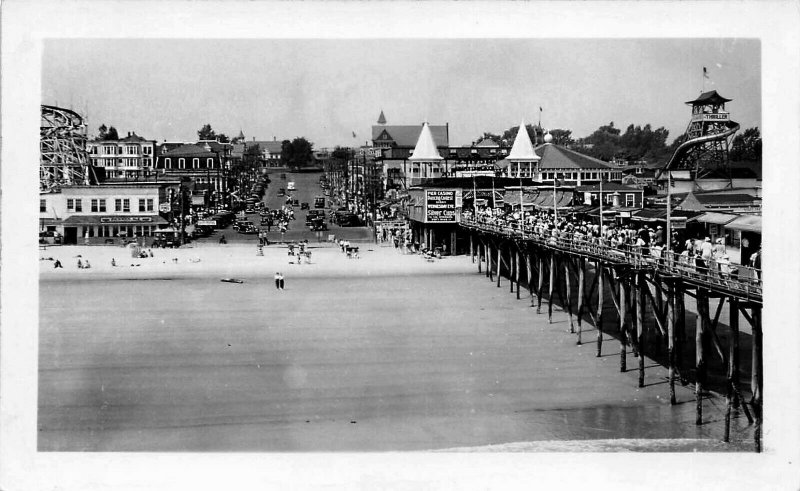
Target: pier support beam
[(581, 293), (623, 329), (671, 340), (568, 289), (758, 376), (540, 285), (499, 265), (641, 284), (700, 357), (516, 268), (599, 319), (550, 288), (529, 278)]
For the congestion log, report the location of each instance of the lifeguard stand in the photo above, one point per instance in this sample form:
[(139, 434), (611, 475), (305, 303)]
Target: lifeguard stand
[(711, 131)]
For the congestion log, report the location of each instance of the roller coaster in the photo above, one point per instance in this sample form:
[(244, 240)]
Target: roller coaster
[(63, 156)]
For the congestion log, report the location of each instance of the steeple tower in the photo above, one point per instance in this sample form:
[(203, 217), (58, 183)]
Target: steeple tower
[(381, 118)]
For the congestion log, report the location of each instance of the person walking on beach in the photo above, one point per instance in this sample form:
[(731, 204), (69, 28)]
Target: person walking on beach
[(80, 264), (281, 280), (57, 264), (277, 280)]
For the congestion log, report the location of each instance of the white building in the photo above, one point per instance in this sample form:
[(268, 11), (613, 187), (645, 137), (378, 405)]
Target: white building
[(129, 157), (104, 213)]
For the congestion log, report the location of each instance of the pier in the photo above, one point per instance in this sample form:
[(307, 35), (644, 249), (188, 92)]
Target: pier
[(647, 297)]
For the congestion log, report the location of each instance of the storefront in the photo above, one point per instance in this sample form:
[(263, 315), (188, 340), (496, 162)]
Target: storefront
[(109, 229)]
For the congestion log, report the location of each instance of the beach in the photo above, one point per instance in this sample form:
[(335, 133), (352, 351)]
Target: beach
[(387, 352)]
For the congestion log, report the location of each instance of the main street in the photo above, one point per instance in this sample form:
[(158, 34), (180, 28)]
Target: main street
[(307, 188)]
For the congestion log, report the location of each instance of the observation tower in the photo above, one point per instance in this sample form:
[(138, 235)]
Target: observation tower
[(704, 154)]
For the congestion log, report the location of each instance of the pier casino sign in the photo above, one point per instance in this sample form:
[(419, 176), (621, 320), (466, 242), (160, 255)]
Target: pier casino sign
[(441, 205)]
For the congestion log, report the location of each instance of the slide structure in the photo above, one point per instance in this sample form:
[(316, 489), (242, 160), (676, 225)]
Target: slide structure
[(684, 148)]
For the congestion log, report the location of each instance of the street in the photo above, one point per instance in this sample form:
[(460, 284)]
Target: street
[(307, 188)]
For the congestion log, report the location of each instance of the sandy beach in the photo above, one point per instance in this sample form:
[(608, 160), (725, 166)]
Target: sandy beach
[(387, 352)]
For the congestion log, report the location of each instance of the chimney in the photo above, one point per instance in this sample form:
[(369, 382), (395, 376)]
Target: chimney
[(274, 138), (254, 138), (129, 133)]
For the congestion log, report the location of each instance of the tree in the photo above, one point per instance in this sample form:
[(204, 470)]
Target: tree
[(206, 133), (562, 137), (296, 153), (746, 146), (112, 134), (102, 131), (490, 136), (223, 138), (534, 133)]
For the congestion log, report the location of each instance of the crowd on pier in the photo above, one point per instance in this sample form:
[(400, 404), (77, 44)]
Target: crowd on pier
[(643, 241)]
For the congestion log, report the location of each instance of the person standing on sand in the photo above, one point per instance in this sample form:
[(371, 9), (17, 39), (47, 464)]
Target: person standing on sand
[(277, 281), (282, 283)]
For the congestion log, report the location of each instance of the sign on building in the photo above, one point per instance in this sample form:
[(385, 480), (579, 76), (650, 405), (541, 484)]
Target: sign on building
[(440, 205)]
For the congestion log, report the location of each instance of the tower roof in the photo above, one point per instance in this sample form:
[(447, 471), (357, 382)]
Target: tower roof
[(709, 98), (381, 118), (241, 135), (426, 148), (522, 148)]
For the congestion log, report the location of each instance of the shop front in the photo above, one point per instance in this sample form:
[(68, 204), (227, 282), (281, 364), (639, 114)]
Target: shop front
[(109, 229)]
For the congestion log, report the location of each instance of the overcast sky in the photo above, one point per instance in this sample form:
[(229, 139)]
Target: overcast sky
[(325, 90)]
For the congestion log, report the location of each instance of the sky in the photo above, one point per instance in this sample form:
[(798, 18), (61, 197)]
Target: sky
[(327, 89)]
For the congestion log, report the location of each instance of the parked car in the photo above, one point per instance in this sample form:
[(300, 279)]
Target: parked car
[(50, 238), (304, 206)]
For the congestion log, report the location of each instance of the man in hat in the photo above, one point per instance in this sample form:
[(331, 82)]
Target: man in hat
[(705, 254)]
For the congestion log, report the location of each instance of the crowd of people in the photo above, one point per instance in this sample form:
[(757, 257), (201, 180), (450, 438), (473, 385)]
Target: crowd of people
[(645, 241)]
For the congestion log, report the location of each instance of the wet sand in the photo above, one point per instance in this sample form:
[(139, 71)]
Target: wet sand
[(386, 352)]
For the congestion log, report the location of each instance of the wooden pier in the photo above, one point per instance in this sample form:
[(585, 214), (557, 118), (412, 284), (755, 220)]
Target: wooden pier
[(643, 297)]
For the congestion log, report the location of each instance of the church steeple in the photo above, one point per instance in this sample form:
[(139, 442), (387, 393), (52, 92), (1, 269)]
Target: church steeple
[(381, 118)]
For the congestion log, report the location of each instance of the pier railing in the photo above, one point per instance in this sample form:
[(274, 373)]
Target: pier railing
[(742, 281)]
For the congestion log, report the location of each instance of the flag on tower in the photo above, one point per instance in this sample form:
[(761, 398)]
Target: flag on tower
[(705, 72), (354, 134)]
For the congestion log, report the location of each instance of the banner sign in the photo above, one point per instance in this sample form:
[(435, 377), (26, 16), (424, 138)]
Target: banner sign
[(440, 205), (677, 223), (125, 219), (164, 208), (208, 223), (711, 117)]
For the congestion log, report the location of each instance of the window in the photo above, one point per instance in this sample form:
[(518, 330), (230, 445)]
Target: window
[(70, 204), (109, 150), (147, 150), (117, 204), (150, 204), (126, 205), (42, 205), (102, 205), (168, 163), (209, 163), (78, 205), (94, 206), (630, 199), (141, 204), (181, 163), (195, 163)]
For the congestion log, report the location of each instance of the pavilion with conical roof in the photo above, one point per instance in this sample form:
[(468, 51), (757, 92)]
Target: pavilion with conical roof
[(425, 159), (522, 160)]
